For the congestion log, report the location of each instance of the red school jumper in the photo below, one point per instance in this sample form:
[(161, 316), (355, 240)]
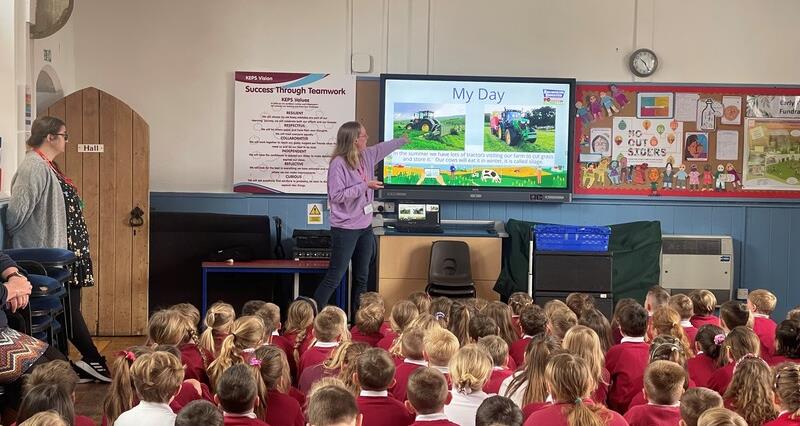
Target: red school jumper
[(701, 320), (496, 379), (316, 354), (690, 330), (654, 415), (784, 420), (387, 341), (517, 350), (764, 328), (371, 339), (701, 367), (379, 409), (436, 419), (626, 363), (401, 375), (195, 368), (721, 378), (553, 415), (234, 420), (284, 345), (283, 410)]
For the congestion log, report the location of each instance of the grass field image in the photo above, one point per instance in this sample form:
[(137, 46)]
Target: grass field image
[(786, 171), (430, 127), (507, 177), (519, 128)]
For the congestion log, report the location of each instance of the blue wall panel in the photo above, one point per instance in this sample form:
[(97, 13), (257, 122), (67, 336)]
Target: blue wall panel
[(766, 235)]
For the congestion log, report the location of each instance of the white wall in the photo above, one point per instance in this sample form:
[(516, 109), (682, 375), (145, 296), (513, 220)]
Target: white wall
[(173, 60)]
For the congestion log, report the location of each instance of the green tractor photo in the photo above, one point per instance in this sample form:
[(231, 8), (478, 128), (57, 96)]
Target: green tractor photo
[(426, 123), (516, 129)]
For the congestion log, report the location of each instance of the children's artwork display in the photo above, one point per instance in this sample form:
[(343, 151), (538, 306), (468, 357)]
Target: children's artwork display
[(687, 141)]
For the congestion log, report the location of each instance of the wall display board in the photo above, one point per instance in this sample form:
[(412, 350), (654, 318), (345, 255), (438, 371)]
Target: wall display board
[(285, 127), (687, 141)]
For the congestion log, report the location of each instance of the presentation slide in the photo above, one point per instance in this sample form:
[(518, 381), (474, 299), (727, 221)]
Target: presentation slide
[(477, 133)]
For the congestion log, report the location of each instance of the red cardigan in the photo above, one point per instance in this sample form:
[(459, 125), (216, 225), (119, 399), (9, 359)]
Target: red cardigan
[(721, 378), (701, 367), (371, 339), (764, 328), (626, 363), (553, 415), (653, 415), (383, 411), (283, 410)]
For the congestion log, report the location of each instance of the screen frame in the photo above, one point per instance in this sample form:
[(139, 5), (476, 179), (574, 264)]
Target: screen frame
[(414, 192)]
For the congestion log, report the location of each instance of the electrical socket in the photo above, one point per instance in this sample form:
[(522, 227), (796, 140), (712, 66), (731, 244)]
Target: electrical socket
[(741, 293), (383, 206)]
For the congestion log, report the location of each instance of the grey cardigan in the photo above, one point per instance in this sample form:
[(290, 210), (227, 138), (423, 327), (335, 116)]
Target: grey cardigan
[(36, 215)]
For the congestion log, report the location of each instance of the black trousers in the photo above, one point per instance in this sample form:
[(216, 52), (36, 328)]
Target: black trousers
[(81, 338)]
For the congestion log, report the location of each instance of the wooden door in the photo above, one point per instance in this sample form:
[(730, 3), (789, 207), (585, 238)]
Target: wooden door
[(111, 184)]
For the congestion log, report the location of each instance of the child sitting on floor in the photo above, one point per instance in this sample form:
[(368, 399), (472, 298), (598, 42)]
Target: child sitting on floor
[(246, 335), (332, 405), (157, 378), (663, 386), (761, 303), (374, 375), (440, 346), (627, 361), (427, 396), (199, 413), (498, 350), (238, 397), (218, 322), (498, 411), (469, 371), (696, 401)]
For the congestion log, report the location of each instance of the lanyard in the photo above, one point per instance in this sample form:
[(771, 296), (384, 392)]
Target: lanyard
[(64, 177)]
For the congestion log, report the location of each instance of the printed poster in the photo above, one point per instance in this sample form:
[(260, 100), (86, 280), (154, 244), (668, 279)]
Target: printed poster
[(285, 127), (600, 141), (772, 154), (647, 141), (773, 106), (686, 106)]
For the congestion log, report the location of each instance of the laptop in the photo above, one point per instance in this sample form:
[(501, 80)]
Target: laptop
[(418, 218)]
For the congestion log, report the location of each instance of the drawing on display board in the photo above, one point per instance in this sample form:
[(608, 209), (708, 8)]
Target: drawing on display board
[(696, 146), (772, 154), (655, 105), (731, 110), (707, 112)]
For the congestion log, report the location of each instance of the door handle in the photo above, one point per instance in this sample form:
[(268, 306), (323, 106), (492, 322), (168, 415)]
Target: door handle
[(137, 217)]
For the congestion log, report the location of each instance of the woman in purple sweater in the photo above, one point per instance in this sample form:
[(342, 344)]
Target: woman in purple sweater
[(351, 182)]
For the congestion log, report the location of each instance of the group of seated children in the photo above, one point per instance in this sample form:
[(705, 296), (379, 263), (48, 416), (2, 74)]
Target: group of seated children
[(464, 362)]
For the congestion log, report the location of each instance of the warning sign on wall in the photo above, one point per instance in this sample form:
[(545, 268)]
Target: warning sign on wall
[(315, 214)]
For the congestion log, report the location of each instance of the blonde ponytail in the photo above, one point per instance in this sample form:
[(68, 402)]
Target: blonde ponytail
[(570, 382), (470, 368), (668, 321), (247, 334), (122, 394), (219, 319)]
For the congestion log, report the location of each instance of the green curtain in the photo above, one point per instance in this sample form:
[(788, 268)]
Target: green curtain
[(636, 247)]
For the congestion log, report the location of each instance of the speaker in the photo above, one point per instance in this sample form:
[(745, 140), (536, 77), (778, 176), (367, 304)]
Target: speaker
[(570, 272)]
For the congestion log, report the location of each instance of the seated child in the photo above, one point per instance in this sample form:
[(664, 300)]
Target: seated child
[(579, 303), (665, 321), (733, 314), (190, 312), (369, 319), (656, 297), (616, 333), (199, 412), (740, 342), (481, 325), (498, 350), (458, 320), (327, 331), (332, 405), (559, 321), (598, 322), (157, 378), (252, 306), (703, 303), (60, 373), (469, 371), (169, 327), (299, 327), (413, 350), (527, 385), (403, 313), (584, 342), (122, 396), (664, 348), (47, 397), (533, 321), (516, 302), (422, 301), (246, 335), (374, 375), (720, 417), (427, 396), (682, 304), (218, 322), (761, 303), (707, 346), (440, 346), (627, 361), (696, 401), (270, 313), (787, 395), (237, 395), (334, 366), (787, 343), (501, 314), (570, 385), (281, 409), (750, 393), (498, 411), (663, 387)]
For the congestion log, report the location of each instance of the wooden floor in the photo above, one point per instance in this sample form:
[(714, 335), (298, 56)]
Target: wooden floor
[(89, 397)]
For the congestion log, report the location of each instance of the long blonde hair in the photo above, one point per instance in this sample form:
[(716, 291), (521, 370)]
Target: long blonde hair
[(299, 317), (531, 373), (247, 334), (121, 394), (343, 359), (470, 368), (751, 391), (346, 144), (668, 321), (570, 382), (787, 386), (403, 313), (219, 320), (585, 343)]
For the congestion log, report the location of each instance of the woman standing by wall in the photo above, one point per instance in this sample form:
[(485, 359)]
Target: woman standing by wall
[(45, 210), (351, 185)]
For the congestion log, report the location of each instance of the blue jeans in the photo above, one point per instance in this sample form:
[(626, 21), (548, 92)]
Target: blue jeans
[(347, 244)]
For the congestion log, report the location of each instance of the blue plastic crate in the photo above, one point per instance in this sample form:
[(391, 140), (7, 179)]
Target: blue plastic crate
[(571, 238)]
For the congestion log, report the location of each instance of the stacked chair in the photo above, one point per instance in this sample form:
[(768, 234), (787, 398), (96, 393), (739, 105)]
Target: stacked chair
[(450, 274)]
